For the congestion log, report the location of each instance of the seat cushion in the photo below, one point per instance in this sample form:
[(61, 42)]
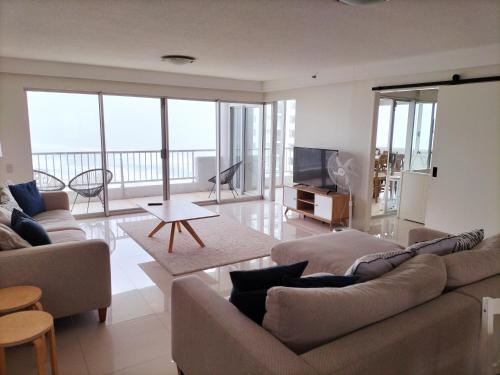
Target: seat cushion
[(67, 235), (467, 267), (57, 220), (333, 252), (305, 318)]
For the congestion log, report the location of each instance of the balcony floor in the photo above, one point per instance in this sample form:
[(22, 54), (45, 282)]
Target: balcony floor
[(131, 203)]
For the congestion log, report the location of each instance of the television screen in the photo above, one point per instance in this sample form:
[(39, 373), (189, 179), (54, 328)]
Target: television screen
[(310, 167)]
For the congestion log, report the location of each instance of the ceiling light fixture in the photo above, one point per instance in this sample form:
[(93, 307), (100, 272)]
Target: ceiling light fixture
[(360, 2), (179, 59)]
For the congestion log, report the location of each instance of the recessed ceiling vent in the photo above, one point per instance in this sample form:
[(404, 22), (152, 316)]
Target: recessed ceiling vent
[(179, 59), (360, 2)]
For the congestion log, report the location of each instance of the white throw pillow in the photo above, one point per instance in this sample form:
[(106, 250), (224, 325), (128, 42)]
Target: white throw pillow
[(10, 240), (5, 216), (7, 201)]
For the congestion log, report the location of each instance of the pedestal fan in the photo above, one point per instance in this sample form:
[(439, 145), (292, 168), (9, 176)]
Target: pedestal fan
[(342, 174)]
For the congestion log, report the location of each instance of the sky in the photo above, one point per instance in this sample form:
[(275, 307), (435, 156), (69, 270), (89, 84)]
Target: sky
[(69, 122)]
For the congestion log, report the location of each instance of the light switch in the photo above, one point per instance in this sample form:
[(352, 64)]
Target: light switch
[(9, 168)]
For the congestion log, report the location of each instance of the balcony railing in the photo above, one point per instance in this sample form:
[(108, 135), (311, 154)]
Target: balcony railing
[(129, 167), (126, 166)]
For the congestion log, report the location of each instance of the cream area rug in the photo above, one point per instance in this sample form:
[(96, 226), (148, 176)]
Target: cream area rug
[(226, 241)]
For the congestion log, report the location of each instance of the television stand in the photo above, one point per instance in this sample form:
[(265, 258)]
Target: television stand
[(316, 203)]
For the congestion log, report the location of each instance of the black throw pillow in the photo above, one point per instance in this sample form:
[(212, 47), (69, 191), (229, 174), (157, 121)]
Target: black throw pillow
[(250, 287), (251, 303), (29, 229), (265, 278), (320, 281)]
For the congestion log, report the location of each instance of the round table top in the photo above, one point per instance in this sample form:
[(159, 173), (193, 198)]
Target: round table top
[(23, 326), (18, 297)]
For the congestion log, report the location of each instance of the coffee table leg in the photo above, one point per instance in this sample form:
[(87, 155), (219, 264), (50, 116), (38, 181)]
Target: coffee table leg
[(157, 228), (179, 226), (192, 232), (172, 234)]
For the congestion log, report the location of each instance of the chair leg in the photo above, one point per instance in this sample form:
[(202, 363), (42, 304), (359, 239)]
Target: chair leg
[(211, 191), (72, 207), (233, 190), (88, 205)]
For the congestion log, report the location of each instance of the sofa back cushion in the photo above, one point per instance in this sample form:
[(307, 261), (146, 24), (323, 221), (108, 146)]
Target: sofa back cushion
[(305, 318), (467, 267)]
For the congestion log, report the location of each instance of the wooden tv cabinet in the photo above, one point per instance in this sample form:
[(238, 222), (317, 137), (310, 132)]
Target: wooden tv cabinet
[(320, 204)]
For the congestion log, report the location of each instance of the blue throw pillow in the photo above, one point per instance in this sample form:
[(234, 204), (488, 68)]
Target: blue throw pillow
[(29, 229), (28, 197)]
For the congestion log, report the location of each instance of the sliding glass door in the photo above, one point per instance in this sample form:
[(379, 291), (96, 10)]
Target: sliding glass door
[(66, 147), (133, 133), (241, 150), (192, 130), (116, 152)]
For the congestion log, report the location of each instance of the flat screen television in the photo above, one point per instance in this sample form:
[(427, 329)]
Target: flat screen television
[(310, 167)]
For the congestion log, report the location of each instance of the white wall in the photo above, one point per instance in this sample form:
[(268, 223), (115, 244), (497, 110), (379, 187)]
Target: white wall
[(340, 116), (14, 127), (466, 192)]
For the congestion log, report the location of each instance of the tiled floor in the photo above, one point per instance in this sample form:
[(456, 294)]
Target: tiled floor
[(95, 206), (136, 337)]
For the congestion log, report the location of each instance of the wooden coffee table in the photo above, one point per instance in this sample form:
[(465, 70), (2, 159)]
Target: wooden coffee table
[(178, 212)]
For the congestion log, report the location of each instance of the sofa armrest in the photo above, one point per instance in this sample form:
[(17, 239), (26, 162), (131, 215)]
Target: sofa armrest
[(210, 336), (424, 234), (55, 200), (74, 276)]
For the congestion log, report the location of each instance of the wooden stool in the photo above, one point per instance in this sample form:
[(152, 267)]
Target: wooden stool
[(17, 298), (29, 326)]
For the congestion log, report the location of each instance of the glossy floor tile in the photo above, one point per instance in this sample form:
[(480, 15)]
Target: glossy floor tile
[(136, 336)]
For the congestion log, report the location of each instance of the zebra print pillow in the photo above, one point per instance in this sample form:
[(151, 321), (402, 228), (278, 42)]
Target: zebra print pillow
[(468, 240)]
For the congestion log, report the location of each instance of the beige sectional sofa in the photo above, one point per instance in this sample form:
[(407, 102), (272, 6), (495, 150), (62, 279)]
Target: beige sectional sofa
[(73, 272), (424, 317)]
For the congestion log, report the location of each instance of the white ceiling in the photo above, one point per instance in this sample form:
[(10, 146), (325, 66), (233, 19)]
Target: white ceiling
[(244, 39)]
